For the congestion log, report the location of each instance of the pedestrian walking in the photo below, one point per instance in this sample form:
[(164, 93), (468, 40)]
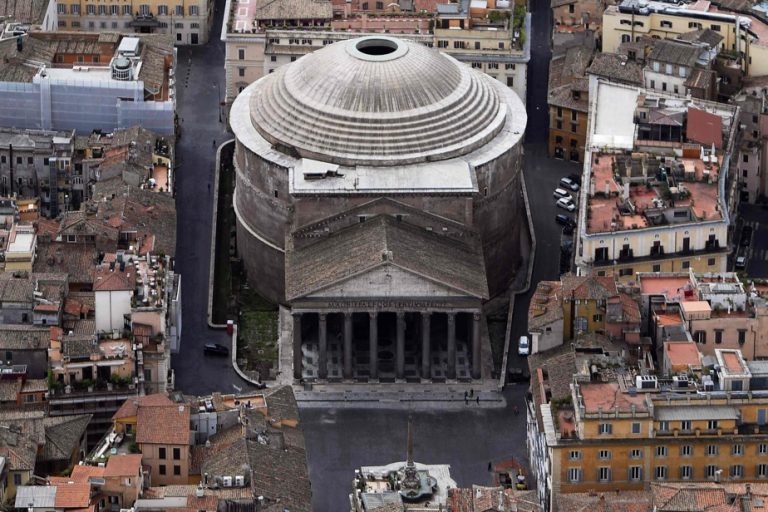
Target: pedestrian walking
[(516, 410), (478, 399), (214, 143), (209, 187)]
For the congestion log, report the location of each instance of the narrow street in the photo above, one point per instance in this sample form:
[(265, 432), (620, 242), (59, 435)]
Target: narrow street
[(541, 173), (200, 88)]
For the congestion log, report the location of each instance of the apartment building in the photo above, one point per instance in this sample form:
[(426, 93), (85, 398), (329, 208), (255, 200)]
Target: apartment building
[(496, 44), (681, 68), (654, 179), (573, 15), (744, 36), (26, 15), (607, 431), (185, 21), (568, 101)]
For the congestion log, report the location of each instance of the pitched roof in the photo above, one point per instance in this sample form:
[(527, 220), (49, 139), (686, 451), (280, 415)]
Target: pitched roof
[(280, 473), (704, 127), (123, 465), (384, 241), (24, 337), (545, 306), (131, 406), (82, 472), (76, 260), (108, 279), (163, 424), (668, 51), (24, 11), (73, 495), (62, 436), (10, 389), (588, 287), (624, 501), (689, 497), (706, 36), (617, 68)]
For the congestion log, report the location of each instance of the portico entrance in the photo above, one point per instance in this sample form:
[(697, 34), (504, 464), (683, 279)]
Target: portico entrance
[(387, 345)]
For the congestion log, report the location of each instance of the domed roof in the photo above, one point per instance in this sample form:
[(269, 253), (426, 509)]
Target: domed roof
[(377, 101)]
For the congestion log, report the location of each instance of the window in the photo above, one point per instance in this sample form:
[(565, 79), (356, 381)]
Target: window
[(685, 425), (240, 71), (162, 25), (686, 264), (162, 10), (571, 9), (737, 471), (686, 450), (604, 454), (712, 450), (675, 89), (711, 261), (635, 473), (668, 69), (574, 115), (686, 472), (30, 160), (509, 66), (75, 8), (126, 10), (177, 454), (711, 471), (653, 84), (737, 450), (194, 10), (597, 318), (477, 45), (103, 24), (144, 9), (442, 44), (476, 65), (102, 10), (178, 25), (762, 449), (62, 23), (663, 426), (115, 10), (762, 471), (660, 473), (636, 453), (625, 22), (161, 453), (179, 10), (715, 28), (605, 428), (61, 8), (90, 9), (493, 65), (661, 451), (91, 24), (656, 66), (501, 45), (574, 475), (625, 38), (635, 428), (656, 268), (162, 469), (559, 124), (604, 474), (694, 25), (666, 24), (176, 470), (241, 53), (574, 455), (742, 336), (663, 86), (458, 44), (272, 58), (17, 479)]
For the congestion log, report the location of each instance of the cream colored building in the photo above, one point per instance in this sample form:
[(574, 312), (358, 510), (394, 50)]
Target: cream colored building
[(654, 178), (188, 21), (633, 19)]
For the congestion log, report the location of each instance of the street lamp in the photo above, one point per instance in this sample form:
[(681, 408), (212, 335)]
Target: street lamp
[(218, 98)]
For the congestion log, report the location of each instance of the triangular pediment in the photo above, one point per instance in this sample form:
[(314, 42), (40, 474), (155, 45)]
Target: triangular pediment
[(385, 281)]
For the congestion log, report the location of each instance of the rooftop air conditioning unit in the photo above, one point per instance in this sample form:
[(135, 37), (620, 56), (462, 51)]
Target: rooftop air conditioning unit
[(646, 382), (240, 481), (227, 481)]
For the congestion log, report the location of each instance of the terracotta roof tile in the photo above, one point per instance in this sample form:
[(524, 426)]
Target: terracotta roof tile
[(81, 473), (131, 406), (70, 495), (164, 424), (123, 465)]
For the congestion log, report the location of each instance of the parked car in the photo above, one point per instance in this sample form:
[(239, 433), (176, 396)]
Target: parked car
[(746, 236), (215, 349), (565, 220), (561, 193), (566, 203), (741, 262), (515, 374), (575, 177), (523, 348), (569, 184)]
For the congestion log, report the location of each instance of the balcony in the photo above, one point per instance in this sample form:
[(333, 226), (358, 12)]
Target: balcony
[(144, 21)]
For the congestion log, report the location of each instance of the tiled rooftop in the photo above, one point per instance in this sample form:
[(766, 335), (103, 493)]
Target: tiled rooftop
[(682, 353), (607, 397)]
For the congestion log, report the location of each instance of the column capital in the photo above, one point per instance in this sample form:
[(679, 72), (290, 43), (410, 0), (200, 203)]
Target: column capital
[(322, 316), (451, 317), (373, 314), (400, 314), (347, 314), (296, 314), (476, 316)]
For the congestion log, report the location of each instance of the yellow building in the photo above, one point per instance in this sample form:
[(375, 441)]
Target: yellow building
[(632, 19), (654, 176), (187, 21)]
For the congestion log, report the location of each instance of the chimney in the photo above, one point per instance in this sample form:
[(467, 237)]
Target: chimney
[(607, 188), (592, 186), (625, 193)]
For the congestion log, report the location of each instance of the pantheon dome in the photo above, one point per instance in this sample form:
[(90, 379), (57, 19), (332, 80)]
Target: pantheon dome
[(377, 128)]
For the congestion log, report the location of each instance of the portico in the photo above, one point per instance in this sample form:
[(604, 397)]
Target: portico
[(387, 340), (409, 310)]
